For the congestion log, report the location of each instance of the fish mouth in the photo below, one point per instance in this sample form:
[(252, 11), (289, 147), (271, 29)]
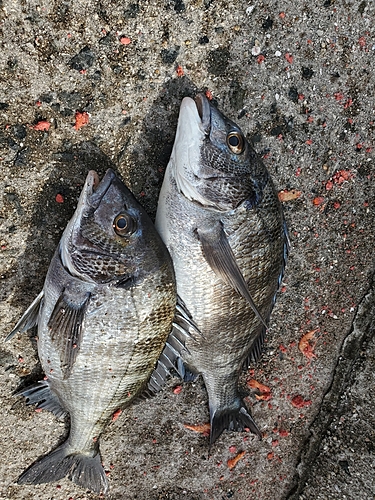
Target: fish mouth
[(95, 189), (204, 110)]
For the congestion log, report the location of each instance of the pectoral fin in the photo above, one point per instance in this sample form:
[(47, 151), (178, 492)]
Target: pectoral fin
[(220, 257), (65, 327), (29, 318)]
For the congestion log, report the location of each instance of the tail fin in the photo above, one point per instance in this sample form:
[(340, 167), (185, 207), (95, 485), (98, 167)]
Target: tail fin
[(233, 418), (84, 470)]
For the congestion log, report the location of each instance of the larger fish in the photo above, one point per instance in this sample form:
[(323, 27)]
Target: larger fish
[(103, 317), (220, 217)]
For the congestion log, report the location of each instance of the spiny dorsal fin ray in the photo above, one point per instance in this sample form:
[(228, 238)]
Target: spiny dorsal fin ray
[(220, 257)]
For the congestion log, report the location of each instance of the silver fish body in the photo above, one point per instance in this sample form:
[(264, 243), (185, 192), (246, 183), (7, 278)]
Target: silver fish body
[(103, 317), (220, 217)]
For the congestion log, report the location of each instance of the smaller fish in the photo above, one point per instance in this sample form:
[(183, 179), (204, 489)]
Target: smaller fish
[(103, 317)]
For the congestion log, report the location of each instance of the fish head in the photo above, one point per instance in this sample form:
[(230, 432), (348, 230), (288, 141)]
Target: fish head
[(212, 162), (110, 238)]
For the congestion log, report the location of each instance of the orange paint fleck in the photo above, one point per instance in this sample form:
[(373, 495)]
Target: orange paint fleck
[(209, 95), (318, 200), (81, 119), (116, 415), (286, 195), (264, 390), (202, 428), (307, 344), (232, 462), (42, 125)]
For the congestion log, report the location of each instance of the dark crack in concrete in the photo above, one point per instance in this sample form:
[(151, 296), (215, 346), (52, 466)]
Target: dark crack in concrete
[(356, 355)]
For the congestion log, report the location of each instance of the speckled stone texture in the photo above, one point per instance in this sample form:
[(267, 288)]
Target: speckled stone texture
[(298, 77)]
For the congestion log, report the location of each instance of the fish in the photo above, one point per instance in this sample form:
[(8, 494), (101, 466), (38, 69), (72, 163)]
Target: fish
[(220, 217), (103, 317)]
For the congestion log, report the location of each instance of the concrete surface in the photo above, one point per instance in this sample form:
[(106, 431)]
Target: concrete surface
[(298, 77)]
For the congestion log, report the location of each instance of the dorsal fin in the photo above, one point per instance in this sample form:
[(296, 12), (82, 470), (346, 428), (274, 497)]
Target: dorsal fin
[(29, 317)]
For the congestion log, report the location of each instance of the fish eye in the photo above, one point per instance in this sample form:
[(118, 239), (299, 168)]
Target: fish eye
[(235, 142), (124, 224)]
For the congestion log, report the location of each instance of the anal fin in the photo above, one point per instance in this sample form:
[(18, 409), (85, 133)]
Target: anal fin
[(184, 328), (41, 394)]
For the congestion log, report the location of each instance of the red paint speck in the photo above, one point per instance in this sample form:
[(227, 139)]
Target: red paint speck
[(270, 455), (116, 415), (177, 389), (309, 142), (59, 198), (81, 119), (338, 96), (318, 200), (260, 59), (232, 449), (179, 71), (362, 42), (209, 95), (124, 40), (289, 58), (299, 402), (282, 15)]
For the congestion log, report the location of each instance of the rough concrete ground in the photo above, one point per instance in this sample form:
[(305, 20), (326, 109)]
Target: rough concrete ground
[(298, 77)]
